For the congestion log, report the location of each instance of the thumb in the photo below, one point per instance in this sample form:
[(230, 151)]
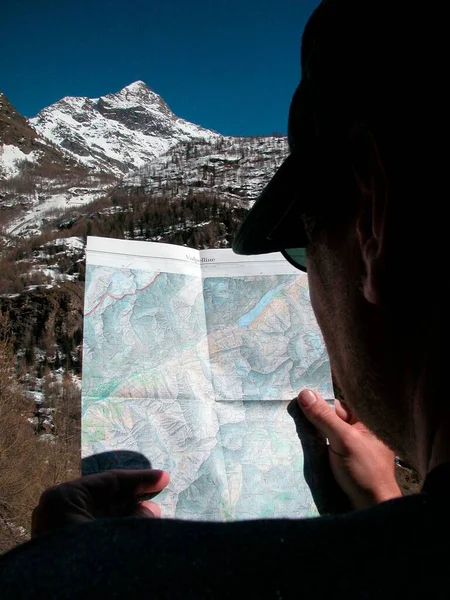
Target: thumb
[(320, 414)]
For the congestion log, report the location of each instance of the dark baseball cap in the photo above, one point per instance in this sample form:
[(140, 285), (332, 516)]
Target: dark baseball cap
[(357, 64)]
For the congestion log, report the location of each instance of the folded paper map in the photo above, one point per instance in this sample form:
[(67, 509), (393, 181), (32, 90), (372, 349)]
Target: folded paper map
[(190, 358)]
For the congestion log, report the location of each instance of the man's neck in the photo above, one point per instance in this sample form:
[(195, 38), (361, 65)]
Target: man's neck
[(431, 432), (431, 419)]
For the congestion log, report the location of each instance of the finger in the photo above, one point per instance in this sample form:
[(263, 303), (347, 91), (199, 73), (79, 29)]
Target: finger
[(125, 482), (325, 419), (150, 510), (345, 412), (342, 411), (141, 481), (117, 491)]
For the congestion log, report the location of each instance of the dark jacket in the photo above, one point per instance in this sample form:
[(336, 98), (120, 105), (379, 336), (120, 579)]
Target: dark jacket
[(400, 548)]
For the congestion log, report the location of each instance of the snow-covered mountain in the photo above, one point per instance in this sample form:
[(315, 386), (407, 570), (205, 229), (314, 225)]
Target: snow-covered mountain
[(131, 136), (119, 132)]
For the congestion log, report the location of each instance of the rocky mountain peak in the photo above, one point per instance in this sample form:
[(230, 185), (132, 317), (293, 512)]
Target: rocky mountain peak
[(119, 132), (137, 94)]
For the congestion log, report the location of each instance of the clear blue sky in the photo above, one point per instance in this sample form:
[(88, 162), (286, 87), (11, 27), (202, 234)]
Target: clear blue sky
[(230, 65)]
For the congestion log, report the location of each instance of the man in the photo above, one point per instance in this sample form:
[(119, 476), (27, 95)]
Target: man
[(358, 197)]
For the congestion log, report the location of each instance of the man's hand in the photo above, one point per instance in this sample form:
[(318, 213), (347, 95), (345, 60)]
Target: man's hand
[(362, 465), (114, 493)]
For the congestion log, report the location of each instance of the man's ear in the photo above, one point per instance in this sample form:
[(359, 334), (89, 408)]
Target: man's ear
[(371, 211)]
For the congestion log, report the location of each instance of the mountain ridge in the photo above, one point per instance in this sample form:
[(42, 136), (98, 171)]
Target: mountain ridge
[(118, 132), (133, 139)]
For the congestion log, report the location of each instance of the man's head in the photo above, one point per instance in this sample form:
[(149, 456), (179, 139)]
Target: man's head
[(357, 192)]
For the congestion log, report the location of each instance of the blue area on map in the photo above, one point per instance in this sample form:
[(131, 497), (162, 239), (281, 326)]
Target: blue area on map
[(242, 367), (247, 319)]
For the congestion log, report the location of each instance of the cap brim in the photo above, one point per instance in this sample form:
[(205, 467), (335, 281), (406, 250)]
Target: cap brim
[(258, 232)]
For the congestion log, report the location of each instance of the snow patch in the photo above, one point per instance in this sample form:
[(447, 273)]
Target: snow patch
[(72, 243), (11, 158), (31, 223)]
